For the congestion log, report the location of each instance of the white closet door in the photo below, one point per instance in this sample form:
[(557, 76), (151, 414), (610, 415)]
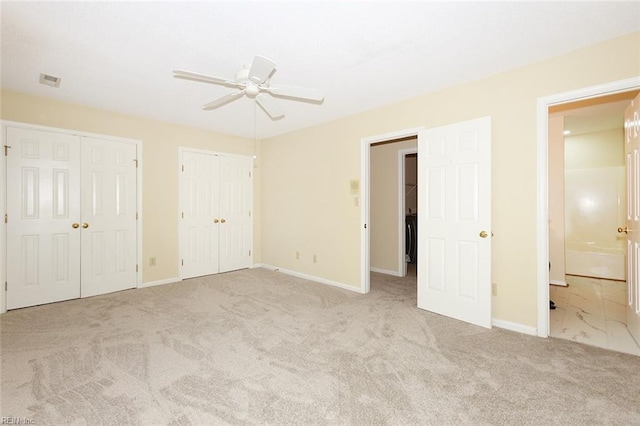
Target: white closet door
[(109, 234), (43, 188), (200, 220), (236, 200)]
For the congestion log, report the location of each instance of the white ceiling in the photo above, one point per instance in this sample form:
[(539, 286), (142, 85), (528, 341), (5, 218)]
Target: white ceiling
[(120, 56)]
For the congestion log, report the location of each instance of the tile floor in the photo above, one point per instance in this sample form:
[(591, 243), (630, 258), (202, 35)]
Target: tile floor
[(592, 311)]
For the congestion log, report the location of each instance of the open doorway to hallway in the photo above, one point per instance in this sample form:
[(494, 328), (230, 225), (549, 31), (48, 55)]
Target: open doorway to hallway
[(393, 206)]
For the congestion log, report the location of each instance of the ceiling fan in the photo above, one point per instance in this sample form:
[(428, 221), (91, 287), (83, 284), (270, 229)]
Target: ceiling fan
[(254, 81)]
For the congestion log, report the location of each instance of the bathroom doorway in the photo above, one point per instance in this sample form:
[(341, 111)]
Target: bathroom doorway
[(587, 211)]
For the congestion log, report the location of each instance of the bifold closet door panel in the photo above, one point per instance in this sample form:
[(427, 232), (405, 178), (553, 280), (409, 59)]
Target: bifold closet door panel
[(108, 209), (199, 214), (43, 211), (236, 201)]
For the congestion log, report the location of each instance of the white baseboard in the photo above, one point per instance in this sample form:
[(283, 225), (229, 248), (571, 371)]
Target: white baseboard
[(311, 278), (385, 271), (159, 282), (556, 282), (520, 328)]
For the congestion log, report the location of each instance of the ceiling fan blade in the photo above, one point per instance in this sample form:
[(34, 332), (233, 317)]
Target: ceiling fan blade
[(297, 92), (269, 105), (261, 69), (231, 96), (188, 75)]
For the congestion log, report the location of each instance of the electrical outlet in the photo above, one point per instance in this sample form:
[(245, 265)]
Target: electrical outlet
[(494, 289), (315, 258), (297, 255), (152, 261)]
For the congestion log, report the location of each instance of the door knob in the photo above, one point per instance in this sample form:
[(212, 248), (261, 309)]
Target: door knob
[(85, 225), (215, 221), (75, 225), (222, 221), (621, 230), (483, 234)]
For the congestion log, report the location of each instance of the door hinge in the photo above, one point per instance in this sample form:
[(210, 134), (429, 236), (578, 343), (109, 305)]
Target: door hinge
[(136, 268), (6, 286), (183, 215), (249, 213), (136, 215), (183, 167), (182, 262), (6, 150), (136, 161), (365, 226), (249, 252), (249, 174), (6, 218)]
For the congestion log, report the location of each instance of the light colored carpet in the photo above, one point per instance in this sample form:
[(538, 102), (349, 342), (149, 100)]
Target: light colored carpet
[(261, 347)]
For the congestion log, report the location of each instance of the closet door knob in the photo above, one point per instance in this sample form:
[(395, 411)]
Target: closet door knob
[(75, 225), (215, 221), (222, 221), (85, 225)]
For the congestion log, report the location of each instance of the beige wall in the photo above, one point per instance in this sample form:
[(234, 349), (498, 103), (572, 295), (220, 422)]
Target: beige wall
[(595, 171), (160, 142), (306, 203), (595, 150), (556, 199), (383, 218)]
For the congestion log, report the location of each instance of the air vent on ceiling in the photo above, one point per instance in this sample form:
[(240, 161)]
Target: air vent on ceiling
[(49, 80)]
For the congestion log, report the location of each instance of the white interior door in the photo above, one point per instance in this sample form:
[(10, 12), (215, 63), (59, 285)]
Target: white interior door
[(236, 201), (199, 216), (108, 209), (454, 212), (632, 154), (43, 190)]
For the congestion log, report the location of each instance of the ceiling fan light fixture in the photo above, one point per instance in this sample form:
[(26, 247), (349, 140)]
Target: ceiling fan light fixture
[(251, 90)]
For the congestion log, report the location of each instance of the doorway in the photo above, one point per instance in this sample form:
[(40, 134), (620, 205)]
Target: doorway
[(455, 212), (543, 255), (586, 215), (389, 208), (365, 187)]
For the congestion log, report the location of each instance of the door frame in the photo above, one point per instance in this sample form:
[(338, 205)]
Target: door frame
[(365, 197), (181, 151), (402, 208), (542, 204), (3, 194)]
